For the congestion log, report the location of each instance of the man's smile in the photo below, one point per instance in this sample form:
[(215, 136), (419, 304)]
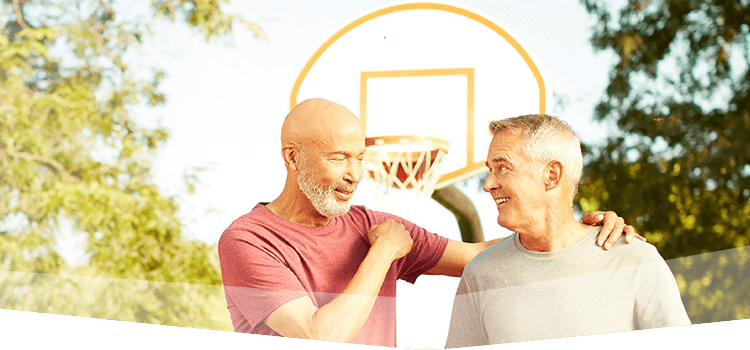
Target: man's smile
[(344, 194), (501, 200)]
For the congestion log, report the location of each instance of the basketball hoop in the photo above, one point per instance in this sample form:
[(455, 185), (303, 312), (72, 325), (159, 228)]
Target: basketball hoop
[(404, 162)]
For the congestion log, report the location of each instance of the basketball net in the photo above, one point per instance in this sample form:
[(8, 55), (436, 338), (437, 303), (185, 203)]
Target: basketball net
[(403, 163)]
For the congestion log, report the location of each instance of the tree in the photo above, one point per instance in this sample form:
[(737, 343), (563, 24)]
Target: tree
[(71, 152), (680, 167)]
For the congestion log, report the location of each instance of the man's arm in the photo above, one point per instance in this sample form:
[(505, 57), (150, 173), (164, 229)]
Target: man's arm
[(657, 297), (457, 254), (465, 328), (341, 319)]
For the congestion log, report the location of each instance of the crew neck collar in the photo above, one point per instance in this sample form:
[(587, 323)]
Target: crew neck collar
[(270, 215), (585, 239)]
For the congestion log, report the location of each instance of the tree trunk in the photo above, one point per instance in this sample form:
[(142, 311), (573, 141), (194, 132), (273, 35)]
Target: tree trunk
[(466, 215)]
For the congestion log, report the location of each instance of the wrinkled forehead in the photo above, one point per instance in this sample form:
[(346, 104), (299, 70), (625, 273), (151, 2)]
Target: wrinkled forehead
[(346, 138), (508, 141)]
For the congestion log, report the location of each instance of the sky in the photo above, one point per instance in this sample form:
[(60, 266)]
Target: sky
[(226, 103)]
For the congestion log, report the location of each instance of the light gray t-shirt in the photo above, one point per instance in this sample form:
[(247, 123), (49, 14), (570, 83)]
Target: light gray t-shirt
[(511, 294)]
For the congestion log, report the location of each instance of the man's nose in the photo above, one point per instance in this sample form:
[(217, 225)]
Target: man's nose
[(354, 171), (490, 183)]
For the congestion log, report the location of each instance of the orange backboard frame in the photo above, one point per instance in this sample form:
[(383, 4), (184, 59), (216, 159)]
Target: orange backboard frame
[(472, 167), (467, 72)]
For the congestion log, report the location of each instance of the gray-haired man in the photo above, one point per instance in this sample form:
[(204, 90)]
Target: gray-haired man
[(550, 279)]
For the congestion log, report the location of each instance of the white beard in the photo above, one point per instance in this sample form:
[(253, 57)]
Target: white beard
[(322, 198)]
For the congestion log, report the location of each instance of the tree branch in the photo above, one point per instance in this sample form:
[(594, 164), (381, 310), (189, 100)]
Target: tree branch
[(102, 45), (19, 15), (172, 9), (51, 162), (12, 180)]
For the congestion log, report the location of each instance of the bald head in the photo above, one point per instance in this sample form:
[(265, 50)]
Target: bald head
[(323, 146), (317, 123)]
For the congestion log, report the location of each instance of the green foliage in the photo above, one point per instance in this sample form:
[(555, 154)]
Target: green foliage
[(167, 303), (683, 130), (71, 152), (715, 286), (680, 169), (205, 15)]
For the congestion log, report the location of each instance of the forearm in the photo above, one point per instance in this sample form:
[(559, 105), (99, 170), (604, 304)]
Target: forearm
[(342, 318)]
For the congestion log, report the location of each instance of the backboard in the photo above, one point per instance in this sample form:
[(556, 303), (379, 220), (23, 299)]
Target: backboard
[(428, 69)]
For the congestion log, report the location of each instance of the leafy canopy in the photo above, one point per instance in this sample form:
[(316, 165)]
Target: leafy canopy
[(73, 154), (679, 168), (680, 95)]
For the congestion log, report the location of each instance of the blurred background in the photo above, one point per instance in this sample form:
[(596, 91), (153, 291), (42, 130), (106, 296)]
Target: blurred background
[(132, 133)]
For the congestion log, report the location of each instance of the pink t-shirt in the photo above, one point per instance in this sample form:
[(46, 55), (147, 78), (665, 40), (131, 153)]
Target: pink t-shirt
[(267, 261)]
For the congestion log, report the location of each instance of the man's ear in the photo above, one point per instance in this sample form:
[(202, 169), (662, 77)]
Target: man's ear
[(553, 173), (291, 155)]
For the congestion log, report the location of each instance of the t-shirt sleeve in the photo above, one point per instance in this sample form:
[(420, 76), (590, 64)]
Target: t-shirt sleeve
[(255, 280), (657, 300), (465, 328), (425, 253)]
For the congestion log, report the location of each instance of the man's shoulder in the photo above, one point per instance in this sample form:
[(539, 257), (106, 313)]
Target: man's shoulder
[(257, 214), (636, 249), (255, 220), (624, 254), (498, 252)]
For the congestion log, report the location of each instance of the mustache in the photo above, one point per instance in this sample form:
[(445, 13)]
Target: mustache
[(345, 187)]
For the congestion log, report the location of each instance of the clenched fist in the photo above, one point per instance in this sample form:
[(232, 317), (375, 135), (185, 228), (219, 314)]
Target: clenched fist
[(392, 238)]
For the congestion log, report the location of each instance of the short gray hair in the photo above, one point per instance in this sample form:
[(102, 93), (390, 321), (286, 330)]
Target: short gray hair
[(547, 139)]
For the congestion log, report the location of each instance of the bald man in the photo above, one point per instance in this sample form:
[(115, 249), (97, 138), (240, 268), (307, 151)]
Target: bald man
[(310, 265)]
